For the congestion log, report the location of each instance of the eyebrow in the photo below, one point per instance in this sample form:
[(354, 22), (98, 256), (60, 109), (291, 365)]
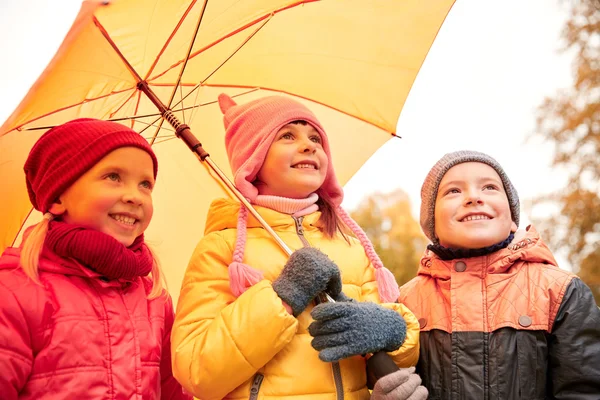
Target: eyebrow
[(120, 170), (480, 180)]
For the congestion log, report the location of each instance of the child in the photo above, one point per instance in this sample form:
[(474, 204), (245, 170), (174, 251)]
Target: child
[(499, 319), (80, 317), (243, 323)]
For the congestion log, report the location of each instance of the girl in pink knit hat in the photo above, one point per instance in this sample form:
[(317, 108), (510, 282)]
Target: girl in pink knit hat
[(83, 312), (246, 324)]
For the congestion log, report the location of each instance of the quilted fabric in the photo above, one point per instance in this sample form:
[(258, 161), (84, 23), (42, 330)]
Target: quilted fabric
[(222, 344), (76, 336), (509, 325)]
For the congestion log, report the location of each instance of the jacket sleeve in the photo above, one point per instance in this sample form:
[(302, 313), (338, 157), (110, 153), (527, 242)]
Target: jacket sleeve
[(218, 341), (574, 345), (408, 354), (16, 355), (170, 388)]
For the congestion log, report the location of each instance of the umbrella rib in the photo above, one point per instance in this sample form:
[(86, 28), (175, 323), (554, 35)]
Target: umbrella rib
[(21, 227), (116, 49), (309, 99), (195, 88), (189, 51), (20, 127), (168, 41), (232, 33), (238, 49), (112, 114), (191, 46)]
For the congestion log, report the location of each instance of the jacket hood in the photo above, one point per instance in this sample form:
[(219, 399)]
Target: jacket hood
[(527, 246), (223, 214)]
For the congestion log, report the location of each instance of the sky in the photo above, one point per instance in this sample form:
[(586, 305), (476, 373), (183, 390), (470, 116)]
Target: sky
[(489, 68)]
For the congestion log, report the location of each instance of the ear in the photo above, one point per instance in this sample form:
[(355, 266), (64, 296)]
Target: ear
[(57, 208), (513, 227)]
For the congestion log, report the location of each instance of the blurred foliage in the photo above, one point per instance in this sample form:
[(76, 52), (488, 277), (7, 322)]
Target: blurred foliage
[(571, 120), (396, 235)]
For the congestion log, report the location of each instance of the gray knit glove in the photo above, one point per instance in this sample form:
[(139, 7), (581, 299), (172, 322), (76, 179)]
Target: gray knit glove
[(342, 330), (403, 384), (307, 273)]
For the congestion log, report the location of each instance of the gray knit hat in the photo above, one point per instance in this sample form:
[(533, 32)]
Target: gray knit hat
[(429, 190)]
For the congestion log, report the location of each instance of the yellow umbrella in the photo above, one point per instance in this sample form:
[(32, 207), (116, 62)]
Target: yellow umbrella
[(351, 62)]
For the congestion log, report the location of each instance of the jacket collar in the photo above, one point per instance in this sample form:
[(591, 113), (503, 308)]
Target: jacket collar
[(526, 246), (223, 214)]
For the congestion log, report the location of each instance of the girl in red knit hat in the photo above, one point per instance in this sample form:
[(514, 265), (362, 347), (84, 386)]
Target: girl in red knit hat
[(246, 325), (83, 313)]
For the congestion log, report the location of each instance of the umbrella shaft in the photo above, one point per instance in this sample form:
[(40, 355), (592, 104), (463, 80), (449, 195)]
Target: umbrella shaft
[(247, 204)]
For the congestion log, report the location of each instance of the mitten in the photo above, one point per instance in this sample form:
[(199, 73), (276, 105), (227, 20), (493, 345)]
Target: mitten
[(342, 330), (307, 273), (403, 384)]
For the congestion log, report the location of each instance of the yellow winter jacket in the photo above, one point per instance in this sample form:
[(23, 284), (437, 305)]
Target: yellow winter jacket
[(251, 347)]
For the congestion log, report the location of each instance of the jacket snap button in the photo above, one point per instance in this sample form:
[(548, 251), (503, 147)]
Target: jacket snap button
[(422, 322), (524, 321), (460, 266)]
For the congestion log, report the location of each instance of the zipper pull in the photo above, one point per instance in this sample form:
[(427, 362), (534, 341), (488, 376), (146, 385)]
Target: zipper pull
[(256, 382), (299, 227)]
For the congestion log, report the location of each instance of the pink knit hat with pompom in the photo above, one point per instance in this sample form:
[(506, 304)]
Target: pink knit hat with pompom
[(250, 131)]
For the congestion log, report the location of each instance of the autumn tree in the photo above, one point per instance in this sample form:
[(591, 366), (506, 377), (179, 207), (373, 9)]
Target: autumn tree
[(396, 235), (571, 120)]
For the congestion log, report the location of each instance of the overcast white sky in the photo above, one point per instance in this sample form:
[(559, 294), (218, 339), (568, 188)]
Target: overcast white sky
[(491, 65)]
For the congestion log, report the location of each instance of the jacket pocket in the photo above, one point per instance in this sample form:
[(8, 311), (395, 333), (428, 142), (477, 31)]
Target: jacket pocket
[(255, 388)]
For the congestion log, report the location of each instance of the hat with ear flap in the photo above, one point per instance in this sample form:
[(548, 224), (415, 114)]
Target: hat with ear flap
[(250, 129)]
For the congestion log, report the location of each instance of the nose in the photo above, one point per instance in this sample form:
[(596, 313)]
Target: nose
[(308, 146), (132, 195), (473, 197)]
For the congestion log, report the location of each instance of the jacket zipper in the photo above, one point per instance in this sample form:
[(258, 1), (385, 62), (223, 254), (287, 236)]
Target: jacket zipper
[(337, 373), (255, 388)]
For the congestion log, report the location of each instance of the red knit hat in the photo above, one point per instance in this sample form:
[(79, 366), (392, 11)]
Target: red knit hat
[(65, 152), (250, 131)]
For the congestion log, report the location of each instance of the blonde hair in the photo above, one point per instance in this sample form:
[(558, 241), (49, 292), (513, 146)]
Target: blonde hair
[(33, 244)]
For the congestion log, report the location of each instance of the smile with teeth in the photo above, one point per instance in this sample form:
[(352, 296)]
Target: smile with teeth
[(475, 218), (304, 166), (123, 219)]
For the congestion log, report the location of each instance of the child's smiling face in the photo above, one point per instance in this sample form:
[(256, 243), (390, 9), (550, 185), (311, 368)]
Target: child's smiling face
[(114, 196), (296, 163), (471, 208)]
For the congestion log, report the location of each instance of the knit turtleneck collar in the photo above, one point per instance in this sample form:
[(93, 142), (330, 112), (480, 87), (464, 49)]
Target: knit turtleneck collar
[(446, 253), (286, 205)]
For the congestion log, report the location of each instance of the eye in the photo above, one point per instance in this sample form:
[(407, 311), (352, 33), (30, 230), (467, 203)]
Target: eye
[(316, 139), (451, 191), (287, 136), (490, 187), (147, 185), (113, 176)]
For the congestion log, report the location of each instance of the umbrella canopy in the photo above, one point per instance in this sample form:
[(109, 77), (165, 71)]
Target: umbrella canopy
[(351, 62)]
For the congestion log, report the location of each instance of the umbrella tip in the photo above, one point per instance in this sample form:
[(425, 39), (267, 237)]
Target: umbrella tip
[(225, 102)]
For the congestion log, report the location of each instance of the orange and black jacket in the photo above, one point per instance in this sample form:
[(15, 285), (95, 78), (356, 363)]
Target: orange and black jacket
[(507, 325)]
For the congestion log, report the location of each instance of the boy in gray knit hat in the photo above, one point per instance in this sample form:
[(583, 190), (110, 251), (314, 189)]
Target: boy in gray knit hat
[(498, 318)]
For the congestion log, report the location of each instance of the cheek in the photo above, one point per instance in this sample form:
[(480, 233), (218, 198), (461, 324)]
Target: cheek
[(149, 209)]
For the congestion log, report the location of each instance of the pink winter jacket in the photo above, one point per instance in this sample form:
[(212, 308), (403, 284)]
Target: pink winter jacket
[(79, 337)]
